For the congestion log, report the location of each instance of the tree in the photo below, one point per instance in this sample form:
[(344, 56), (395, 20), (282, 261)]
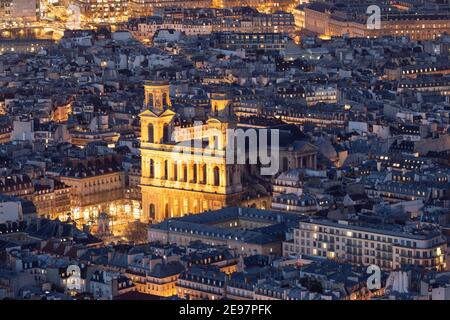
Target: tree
[(312, 285), (316, 286), (136, 232)]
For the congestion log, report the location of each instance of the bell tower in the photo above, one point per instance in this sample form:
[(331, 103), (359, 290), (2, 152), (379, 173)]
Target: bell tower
[(156, 120), (157, 94)]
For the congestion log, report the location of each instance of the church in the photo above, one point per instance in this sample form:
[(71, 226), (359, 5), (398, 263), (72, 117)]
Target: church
[(184, 162)]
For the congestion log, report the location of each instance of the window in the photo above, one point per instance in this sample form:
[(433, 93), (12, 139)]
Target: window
[(150, 130), (216, 176), (194, 172), (166, 133), (175, 171), (166, 169), (152, 211), (204, 173)]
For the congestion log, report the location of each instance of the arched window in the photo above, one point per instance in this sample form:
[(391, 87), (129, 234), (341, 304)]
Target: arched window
[(194, 171), (152, 211), (152, 168), (166, 133), (216, 176), (175, 171), (149, 99), (205, 174), (185, 172), (166, 169), (150, 129)]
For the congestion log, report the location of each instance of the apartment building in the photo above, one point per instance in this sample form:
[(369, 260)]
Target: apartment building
[(104, 11), (250, 41), (204, 283), (315, 94), (385, 245), (19, 11)]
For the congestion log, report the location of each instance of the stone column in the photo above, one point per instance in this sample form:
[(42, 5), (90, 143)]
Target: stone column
[(190, 171), (158, 168), (160, 210), (200, 172), (180, 171), (145, 164), (209, 174), (223, 176), (176, 208), (148, 169), (170, 170)]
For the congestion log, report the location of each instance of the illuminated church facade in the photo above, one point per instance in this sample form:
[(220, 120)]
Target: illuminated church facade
[(184, 167)]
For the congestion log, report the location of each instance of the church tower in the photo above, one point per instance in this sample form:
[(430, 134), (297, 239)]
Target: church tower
[(157, 94)]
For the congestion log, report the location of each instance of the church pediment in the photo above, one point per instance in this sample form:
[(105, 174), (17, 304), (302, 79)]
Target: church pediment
[(148, 113), (152, 114), (304, 147)]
